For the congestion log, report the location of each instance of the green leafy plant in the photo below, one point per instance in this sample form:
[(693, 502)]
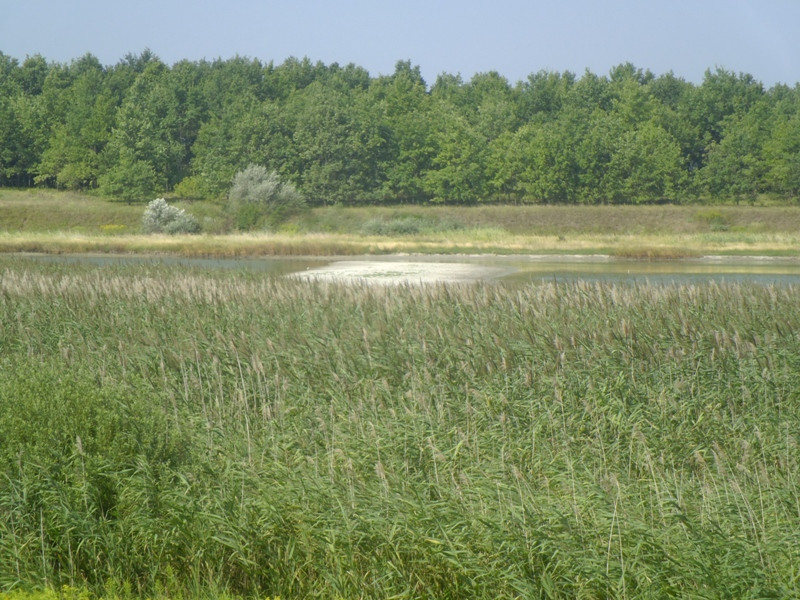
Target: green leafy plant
[(130, 180), (258, 196)]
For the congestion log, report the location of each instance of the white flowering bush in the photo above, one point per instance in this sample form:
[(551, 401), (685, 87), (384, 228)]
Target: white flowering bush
[(257, 194), (160, 217)]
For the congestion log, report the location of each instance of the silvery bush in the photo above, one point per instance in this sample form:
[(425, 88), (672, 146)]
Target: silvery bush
[(257, 192), (160, 217)]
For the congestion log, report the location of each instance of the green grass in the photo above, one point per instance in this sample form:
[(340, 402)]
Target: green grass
[(50, 221), (569, 220), (181, 433), (40, 210)]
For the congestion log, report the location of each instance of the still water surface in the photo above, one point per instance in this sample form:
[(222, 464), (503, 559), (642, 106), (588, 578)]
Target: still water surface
[(511, 269)]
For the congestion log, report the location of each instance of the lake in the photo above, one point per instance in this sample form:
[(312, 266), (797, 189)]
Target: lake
[(396, 269)]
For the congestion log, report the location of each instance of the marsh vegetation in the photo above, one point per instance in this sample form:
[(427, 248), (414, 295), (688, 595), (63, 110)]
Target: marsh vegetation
[(179, 433), (68, 222)]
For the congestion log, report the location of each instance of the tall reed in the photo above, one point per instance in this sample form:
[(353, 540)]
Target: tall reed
[(173, 431)]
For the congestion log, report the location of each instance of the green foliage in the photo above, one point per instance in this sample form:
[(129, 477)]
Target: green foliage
[(337, 144), (550, 172), (179, 433), (257, 194), (456, 174), (782, 153), (193, 188), (22, 138), (130, 179), (405, 125), (645, 166), (142, 128), (72, 158), (160, 217), (735, 166)]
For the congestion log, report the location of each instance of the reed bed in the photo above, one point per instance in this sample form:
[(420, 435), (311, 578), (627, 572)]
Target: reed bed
[(179, 433)]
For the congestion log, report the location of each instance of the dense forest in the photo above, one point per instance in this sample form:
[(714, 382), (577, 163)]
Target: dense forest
[(142, 128)]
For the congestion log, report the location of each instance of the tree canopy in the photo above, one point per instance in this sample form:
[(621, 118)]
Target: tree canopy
[(339, 135)]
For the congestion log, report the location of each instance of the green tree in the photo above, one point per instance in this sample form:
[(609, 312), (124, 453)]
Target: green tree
[(782, 153), (9, 76), (449, 88), (542, 95), (156, 125), (405, 125), (32, 74), (551, 173), (735, 166), (646, 167), (633, 102), (589, 93), (226, 81), (22, 138), (294, 75), (338, 146), (536, 163), (674, 98), (505, 162), (77, 139), (245, 132), (596, 139), (722, 94), (457, 166), (492, 105), (130, 179)]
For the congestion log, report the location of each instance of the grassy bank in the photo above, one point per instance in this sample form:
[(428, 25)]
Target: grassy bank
[(183, 433), (48, 221)]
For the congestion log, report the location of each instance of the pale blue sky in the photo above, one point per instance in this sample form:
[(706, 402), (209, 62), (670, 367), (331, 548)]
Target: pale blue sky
[(513, 37)]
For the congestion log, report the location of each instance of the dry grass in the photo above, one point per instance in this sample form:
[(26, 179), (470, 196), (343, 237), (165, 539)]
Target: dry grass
[(62, 222), (574, 220), (458, 242)]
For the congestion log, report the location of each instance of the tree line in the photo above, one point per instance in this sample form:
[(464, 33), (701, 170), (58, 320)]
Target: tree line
[(142, 128)]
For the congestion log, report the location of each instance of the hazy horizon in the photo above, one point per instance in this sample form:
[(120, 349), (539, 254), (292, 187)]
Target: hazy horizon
[(513, 37)]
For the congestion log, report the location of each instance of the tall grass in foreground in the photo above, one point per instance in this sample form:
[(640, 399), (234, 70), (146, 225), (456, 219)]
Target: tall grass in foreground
[(179, 433)]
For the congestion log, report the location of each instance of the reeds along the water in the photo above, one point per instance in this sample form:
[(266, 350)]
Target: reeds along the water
[(171, 433)]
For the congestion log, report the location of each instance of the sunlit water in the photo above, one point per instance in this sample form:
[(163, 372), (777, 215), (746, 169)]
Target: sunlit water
[(510, 269)]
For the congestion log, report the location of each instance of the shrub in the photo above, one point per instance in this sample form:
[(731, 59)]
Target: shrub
[(257, 194), (193, 187), (160, 217)]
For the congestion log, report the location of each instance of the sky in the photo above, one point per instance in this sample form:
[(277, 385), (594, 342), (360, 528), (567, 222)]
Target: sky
[(513, 37)]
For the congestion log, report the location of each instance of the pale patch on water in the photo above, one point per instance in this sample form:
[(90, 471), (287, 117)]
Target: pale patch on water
[(512, 269), (396, 273)]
